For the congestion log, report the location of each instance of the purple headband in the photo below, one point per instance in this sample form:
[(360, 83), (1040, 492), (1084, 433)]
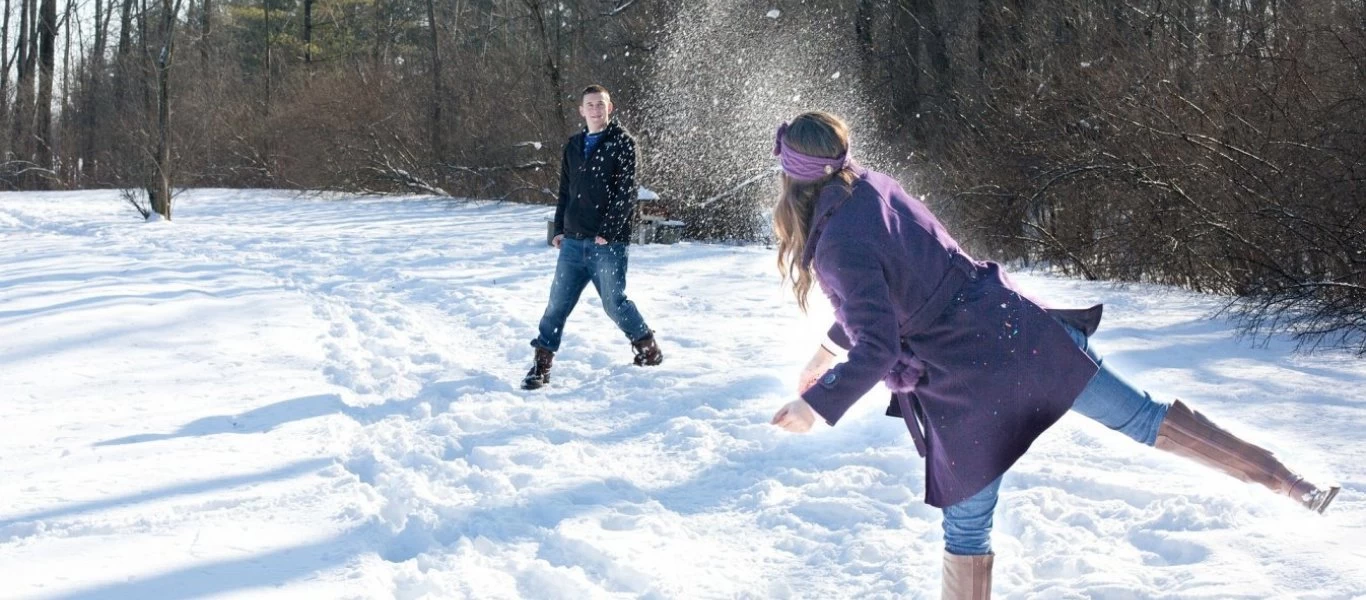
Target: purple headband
[(804, 167)]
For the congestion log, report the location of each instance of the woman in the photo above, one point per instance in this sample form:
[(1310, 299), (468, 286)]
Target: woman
[(977, 369)]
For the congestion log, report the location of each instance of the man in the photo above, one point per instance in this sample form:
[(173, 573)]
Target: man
[(592, 231)]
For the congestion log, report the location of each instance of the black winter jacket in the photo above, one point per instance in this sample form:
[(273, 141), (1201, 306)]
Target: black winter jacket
[(597, 193)]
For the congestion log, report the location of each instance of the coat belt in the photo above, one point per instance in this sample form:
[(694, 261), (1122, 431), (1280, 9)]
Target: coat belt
[(960, 271)]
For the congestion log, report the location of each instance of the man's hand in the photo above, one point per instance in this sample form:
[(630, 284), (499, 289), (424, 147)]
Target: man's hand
[(796, 416), (600, 241), (559, 239)]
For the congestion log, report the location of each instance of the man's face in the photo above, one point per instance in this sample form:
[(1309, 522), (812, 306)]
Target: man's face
[(595, 110)]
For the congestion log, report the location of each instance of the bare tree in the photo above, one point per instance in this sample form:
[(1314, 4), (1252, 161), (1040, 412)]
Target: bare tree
[(94, 86), (206, 28), (549, 42), (123, 58), (438, 89), (23, 98), (269, 45), (5, 65), (159, 187), (47, 50), (308, 34), (66, 52)]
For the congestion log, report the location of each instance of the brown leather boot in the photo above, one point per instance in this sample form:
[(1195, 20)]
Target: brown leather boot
[(647, 351), (1188, 433), (539, 375), (967, 577)]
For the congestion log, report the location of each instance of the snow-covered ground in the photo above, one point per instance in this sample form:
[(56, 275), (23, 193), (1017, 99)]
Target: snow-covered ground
[(278, 396)]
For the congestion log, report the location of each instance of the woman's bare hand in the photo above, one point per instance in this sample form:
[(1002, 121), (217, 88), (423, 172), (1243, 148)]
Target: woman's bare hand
[(796, 416)]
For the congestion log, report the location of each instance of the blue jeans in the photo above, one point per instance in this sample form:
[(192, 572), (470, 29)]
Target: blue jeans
[(1109, 399), (581, 262)]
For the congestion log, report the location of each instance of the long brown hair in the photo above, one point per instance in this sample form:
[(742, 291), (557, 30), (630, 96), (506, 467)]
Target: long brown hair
[(814, 134)]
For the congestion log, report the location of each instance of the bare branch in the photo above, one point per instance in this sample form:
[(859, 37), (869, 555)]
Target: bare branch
[(616, 11)]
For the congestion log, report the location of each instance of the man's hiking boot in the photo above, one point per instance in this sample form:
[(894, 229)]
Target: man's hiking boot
[(539, 375), (647, 351)]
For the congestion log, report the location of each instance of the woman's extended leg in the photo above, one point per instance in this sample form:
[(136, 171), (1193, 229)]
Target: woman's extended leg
[(1178, 429)]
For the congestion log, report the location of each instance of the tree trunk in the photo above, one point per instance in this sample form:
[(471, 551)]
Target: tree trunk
[(1257, 35), (905, 78), (123, 61), (66, 54), (206, 29), (32, 41), (4, 80), (47, 61), (377, 53), (550, 65), (438, 91), (23, 96), (1189, 49), (161, 196), (863, 31), (936, 48), (269, 66), (148, 73), (91, 94), (961, 20), (66, 123), (308, 34), (1217, 29)]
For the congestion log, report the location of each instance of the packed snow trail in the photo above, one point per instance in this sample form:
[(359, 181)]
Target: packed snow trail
[(282, 395)]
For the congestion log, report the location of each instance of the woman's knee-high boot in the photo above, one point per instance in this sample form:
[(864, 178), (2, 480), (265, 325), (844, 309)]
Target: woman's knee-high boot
[(1188, 433), (967, 577)]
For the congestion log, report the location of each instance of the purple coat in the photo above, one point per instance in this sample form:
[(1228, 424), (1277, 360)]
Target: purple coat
[(978, 369)]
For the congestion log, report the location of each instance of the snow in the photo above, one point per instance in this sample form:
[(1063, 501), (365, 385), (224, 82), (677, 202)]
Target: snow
[(773, 14), (315, 396)]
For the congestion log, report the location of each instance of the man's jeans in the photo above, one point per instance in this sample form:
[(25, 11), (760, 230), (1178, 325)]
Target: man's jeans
[(581, 262), (1109, 399)]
